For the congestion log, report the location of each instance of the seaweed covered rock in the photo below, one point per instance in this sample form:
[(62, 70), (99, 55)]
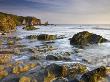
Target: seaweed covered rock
[(46, 37), (84, 38), (94, 75)]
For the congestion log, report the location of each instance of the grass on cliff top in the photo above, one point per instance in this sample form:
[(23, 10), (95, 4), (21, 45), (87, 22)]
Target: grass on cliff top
[(30, 28)]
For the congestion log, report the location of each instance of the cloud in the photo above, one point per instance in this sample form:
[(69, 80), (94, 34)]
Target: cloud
[(60, 11)]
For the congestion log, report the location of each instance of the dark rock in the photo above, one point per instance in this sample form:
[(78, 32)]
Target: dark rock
[(32, 37), (37, 73), (94, 75), (46, 37), (51, 57), (11, 78), (75, 80), (84, 38), (57, 58), (54, 69), (61, 37)]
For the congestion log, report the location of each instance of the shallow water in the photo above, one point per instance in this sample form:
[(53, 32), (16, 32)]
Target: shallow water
[(96, 55)]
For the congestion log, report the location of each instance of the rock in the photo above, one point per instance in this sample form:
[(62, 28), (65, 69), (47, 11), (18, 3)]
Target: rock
[(94, 75), (10, 42), (32, 37), (5, 58), (37, 73), (75, 80), (46, 37), (51, 57), (11, 78), (42, 37), (7, 23), (61, 37), (27, 79), (23, 68), (60, 79), (84, 38), (30, 28), (54, 71), (57, 58)]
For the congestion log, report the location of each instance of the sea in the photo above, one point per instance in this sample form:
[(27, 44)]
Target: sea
[(93, 55)]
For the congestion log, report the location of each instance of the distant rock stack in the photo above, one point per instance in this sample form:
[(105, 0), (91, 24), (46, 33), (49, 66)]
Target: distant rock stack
[(31, 21)]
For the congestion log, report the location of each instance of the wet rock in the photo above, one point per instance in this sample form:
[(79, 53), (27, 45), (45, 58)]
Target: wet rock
[(53, 71), (84, 38), (57, 58), (60, 79), (11, 78), (46, 37), (94, 75), (51, 57), (37, 73), (29, 27), (75, 80), (27, 79), (20, 68), (32, 37), (5, 58), (61, 37), (10, 42)]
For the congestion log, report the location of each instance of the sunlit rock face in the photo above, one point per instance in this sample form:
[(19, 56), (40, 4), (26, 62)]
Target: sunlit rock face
[(84, 38)]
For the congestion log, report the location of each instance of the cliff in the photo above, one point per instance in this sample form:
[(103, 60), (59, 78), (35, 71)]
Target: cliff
[(9, 21)]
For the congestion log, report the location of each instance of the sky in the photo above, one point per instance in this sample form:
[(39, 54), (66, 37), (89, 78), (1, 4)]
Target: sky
[(61, 11)]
